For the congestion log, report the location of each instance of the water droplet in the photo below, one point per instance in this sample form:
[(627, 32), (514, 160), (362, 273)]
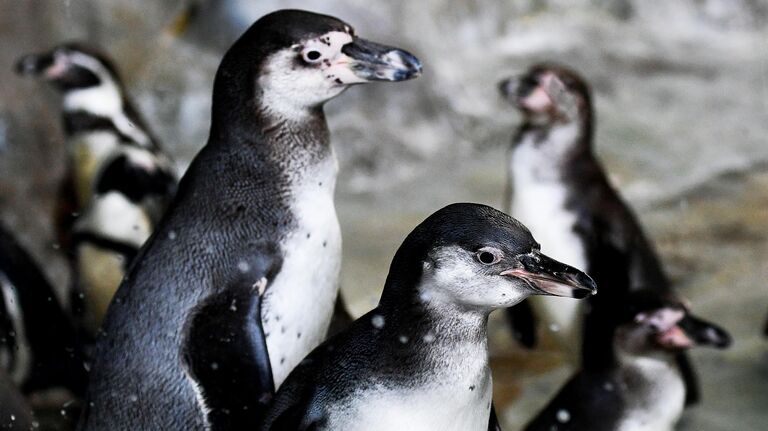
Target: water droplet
[(172, 235), (378, 321), (13, 418), (563, 416), (133, 398), (63, 412), (429, 337), (243, 266), (402, 339)]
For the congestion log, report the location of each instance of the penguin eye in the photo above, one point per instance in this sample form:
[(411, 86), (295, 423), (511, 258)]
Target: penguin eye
[(488, 255), (312, 56)]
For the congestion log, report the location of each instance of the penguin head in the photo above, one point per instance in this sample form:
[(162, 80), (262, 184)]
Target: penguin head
[(300, 59), (548, 93), (69, 67), (476, 257), (653, 324)]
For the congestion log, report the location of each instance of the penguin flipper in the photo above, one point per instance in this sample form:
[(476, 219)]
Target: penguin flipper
[(493, 421), (523, 324), (691, 381), (225, 352), (341, 318)]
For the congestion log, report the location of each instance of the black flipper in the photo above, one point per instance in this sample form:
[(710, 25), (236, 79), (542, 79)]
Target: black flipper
[(493, 421), (523, 324), (691, 380), (225, 352), (341, 318)]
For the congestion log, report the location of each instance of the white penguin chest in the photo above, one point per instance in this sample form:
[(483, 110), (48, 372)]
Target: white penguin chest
[(299, 303), (455, 398), (659, 405), (539, 201)]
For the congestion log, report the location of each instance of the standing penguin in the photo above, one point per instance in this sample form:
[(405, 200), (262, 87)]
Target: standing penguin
[(238, 283), (559, 189), (419, 360), (119, 182), (39, 348), (631, 380)]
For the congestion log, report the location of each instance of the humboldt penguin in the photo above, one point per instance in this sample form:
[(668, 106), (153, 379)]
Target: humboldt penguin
[(560, 190), (119, 181), (239, 281), (419, 360), (631, 380)]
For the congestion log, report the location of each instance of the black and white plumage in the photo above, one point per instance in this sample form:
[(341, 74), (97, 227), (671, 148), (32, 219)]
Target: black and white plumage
[(419, 360), (39, 348), (631, 381), (239, 281), (119, 181), (559, 189)]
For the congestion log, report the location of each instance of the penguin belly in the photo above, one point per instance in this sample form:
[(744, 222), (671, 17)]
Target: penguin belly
[(113, 217), (382, 409), (89, 151), (658, 403), (539, 202), (299, 304), (99, 272)]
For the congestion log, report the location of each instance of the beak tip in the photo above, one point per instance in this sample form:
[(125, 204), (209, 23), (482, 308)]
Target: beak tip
[(25, 65)]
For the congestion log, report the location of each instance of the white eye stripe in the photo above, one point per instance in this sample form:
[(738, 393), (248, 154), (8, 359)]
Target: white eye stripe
[(328, 46)]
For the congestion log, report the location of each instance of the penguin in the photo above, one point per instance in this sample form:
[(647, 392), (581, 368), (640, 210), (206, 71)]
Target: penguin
[(39, 347), (15, 413), (419, 360), (633, 381), (239, 280), (119, 181), (559, 189)]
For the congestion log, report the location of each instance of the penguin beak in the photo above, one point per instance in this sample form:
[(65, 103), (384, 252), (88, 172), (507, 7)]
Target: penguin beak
[(40, 64), (550, 277), (369, 61), (33, 64), (703, 333)]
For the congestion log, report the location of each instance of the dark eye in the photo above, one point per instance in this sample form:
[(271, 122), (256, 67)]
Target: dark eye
[(312, 56), (488, 255)]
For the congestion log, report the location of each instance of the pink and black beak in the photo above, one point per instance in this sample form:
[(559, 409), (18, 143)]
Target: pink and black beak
[(679, 330), (546, 276), (35, 64), (703, 333)]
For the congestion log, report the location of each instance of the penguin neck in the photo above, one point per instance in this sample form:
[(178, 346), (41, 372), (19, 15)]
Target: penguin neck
[(421, 316), (565, 140), (242, 117)]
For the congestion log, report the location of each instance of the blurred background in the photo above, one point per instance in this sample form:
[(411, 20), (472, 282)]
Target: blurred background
[(681, 94)]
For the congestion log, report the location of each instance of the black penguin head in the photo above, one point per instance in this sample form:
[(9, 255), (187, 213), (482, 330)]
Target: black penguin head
[(476, 257), (69, 66), (301, 59), (548, 93), (652, 324)]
